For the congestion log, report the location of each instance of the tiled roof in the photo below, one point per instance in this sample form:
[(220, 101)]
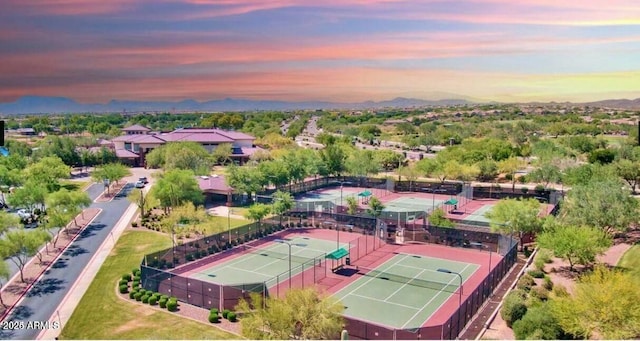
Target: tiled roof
[(235, 135), (123, 153), (213, 183), (136, 127), (139, 139)]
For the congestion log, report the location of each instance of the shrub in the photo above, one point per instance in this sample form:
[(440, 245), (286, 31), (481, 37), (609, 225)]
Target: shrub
[(225, 313), (539, 263), (189, 258), (559, 291), (299, 225), (124, 288), (153, 299), (513, 308), (136, 278), (145, 298), (540, 293), (213, 311), (231, 316), (138, 296), (548, 283), (135, 284), (163, 303), (126, 277), (134, 224), (165, 297), (214, 318), (132, 294), (136, 272), (536, 273), (123, 281), (526, 282), (172, 305), (538, 324), (545, 255)]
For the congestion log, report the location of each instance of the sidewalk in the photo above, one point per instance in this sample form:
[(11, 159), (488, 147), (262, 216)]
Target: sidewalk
[(80, 286), (14, 290)]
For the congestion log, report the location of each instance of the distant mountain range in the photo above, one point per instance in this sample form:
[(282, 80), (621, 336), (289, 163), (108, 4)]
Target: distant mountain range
[(44, 105), (40, 104)]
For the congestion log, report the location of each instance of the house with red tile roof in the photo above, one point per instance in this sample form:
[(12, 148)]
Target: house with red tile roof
[(138, 140)]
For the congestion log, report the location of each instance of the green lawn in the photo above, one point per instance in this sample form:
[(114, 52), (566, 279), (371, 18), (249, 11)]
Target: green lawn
[(631, 261), (74, 185), (102, 315), (220, 224)]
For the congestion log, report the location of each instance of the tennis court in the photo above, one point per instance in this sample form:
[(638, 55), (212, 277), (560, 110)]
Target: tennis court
[(260, 264), (332, 195), (412, 204), (477, 217), (405, 291)]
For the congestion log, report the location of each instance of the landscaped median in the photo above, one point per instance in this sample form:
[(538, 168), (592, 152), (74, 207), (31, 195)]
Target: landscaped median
[(13, 292)]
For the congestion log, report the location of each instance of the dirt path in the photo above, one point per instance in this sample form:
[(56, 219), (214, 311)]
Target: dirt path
[(559, 274)]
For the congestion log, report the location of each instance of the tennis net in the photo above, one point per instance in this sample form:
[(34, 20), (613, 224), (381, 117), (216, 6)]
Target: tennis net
[(418, 282), (274, 254)]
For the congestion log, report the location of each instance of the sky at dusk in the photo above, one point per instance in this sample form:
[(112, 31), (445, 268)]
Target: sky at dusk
[(332, 50)]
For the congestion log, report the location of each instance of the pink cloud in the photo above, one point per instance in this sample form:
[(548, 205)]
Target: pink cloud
[(68, 7)]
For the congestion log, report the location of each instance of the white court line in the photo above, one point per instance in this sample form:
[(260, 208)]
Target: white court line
[(448, 260), (441, 304), (379, 300), (250, 271), (370, 279), (418, 268), (405, 284), (433, 298)]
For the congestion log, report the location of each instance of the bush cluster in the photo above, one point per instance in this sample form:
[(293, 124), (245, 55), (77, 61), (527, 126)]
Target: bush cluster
[(126, 277), (536, 273), (213, 315), (514, 307), (124, 288), (526, 282)]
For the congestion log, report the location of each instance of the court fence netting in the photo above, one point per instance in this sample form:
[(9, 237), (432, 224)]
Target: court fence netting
[(454, 325), (170, 271)]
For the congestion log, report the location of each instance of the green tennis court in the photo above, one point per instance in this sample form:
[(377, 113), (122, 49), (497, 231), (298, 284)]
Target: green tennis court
[(410, 204), (263, 263), (328, 195), (405, 291), (478, 216)]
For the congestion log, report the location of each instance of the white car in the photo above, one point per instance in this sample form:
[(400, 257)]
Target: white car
[(23, 214)]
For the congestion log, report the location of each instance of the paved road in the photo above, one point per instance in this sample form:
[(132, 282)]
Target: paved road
[(42, 300), (93, 191)]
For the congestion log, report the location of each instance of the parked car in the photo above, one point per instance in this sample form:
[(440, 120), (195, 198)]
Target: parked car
[(143, 179), (139, 184)]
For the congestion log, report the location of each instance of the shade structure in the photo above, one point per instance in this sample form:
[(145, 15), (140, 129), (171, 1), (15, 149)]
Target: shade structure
[(338, 254), (366, 193), (451, 201)]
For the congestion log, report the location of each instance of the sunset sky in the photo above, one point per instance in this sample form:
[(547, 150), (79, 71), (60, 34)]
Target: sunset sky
[(333, 50)]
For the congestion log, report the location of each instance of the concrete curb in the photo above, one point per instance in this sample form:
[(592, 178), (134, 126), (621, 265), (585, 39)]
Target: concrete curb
[(53, 261), (68, 304)]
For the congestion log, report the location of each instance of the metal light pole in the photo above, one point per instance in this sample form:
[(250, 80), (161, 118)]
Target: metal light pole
[(483, 247), (229, 222), (288, 244), (459, 286)]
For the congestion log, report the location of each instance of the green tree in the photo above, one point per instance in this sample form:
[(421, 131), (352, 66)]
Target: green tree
[(510, 216), (629, 171), (222, 153), (144, 201), (30, 196), (47, 171), (177, 187), (387, 159), (361, 163), (112, 172), (4, 277), (183, 220), (302, 314), (8, 221), (439, 218), (334, 159), (248, 179), (282, 202), (256, 212), (577, 245), (547, 173), (71, 202), (188, 156), (352, 205), (55, 221), (605, 303), (375, 207), (411, 173), (488, 170), (538, 324), (20, 245), (602, 156), (604, 204), (509, 167)]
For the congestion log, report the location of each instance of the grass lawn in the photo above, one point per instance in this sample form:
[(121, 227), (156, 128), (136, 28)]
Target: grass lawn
[(631, 261), (102, 315), (221, 224), (74, 185)]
